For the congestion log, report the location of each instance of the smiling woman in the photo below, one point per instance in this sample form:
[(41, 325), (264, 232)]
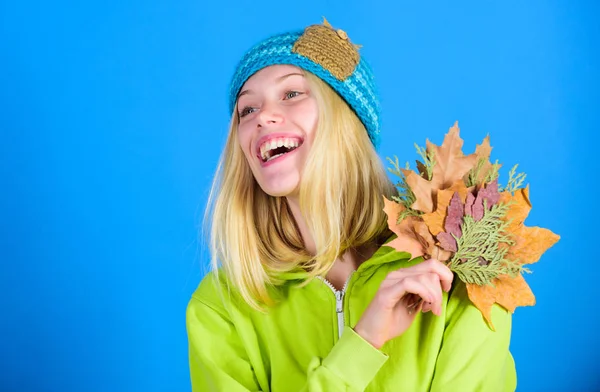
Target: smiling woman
[(304, 293), (278, 116)]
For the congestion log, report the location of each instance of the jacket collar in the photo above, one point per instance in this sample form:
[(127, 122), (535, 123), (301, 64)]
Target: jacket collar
[(385, 254)]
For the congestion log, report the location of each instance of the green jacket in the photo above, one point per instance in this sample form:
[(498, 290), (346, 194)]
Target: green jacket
[(306, 342)]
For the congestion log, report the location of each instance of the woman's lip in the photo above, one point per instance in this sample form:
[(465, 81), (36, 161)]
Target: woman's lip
[(279, 158), (276, 135)]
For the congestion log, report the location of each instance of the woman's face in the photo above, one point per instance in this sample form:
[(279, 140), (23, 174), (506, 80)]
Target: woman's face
[(278, 117)]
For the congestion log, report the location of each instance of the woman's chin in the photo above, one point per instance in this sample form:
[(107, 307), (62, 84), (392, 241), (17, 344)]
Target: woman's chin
[(280, 189)]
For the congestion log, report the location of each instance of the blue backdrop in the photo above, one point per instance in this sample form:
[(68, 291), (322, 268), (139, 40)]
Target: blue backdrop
[(113, 114)]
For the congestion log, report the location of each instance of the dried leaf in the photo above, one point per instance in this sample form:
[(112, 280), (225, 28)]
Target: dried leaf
[(450, 166), (407, 240), (435, 220), (450, 162), (490, 193), (506, 291), (425, 237), (477, 209), (455, 215), (483, 151), (441, 254), (519, 206), (452, 224), (469, 204), (445, 200), (423, 189), (530, 244), (447, 242)]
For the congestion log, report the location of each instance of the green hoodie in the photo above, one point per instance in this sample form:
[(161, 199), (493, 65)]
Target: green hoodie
[(306, 342)]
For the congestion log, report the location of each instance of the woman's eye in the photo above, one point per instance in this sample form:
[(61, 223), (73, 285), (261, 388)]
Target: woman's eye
[(247, 110), (292, 94)]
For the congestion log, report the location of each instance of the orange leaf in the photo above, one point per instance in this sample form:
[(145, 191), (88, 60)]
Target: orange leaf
[(413, 234), (441, 254), (423, 189), (429, 244), (408, 240), (450, 166), (483, 151), (530, 244), (507, 291), (435, 220), (427, 240), (518, 208)]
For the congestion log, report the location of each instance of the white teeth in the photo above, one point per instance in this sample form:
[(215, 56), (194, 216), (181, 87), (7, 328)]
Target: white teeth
[(274, 156), (276, 143)]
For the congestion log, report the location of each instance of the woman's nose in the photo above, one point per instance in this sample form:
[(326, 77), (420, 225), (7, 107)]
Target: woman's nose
[(270, 114)]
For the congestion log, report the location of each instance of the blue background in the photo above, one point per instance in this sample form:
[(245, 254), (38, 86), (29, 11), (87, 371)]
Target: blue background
[(113, 115)]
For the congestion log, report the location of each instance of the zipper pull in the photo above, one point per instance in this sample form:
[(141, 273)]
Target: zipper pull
[(339, 297)]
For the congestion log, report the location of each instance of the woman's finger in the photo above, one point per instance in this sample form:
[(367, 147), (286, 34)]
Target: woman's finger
[(428, 266), (432, 282), (410, 286), (426, 307), (445, 274)]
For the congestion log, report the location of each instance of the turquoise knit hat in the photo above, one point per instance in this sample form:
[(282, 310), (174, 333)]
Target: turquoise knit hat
[(325, 52)]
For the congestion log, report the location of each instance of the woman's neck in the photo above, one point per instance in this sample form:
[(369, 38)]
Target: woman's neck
[(307, 238), (346, 263)]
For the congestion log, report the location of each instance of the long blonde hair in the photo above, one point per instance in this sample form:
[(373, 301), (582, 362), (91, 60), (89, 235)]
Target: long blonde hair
[(254, 237)]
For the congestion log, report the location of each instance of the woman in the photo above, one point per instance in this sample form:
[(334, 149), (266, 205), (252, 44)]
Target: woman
[(304, 294)]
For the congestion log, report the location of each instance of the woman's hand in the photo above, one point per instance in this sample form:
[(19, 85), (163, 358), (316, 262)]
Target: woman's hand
[(389, 315)]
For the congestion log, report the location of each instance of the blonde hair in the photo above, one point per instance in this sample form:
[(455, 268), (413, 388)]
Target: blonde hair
[(254, 235)]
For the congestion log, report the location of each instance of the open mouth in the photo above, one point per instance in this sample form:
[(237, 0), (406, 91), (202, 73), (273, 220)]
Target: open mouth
[(275, 148)]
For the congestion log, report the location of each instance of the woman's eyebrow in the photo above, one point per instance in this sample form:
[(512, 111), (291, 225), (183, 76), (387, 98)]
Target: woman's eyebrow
[(281, 78), (243, 93)]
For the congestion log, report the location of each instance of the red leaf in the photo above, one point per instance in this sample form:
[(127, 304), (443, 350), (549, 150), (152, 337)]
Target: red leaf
[(491, 194), (447, 242), (469, 204), (452, 224), (455, 216), (478, 207)]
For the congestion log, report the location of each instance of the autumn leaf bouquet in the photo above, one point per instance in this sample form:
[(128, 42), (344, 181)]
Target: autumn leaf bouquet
[(453, 209)]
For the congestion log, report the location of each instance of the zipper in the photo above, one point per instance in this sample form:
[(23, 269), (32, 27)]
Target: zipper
[(339, 302)]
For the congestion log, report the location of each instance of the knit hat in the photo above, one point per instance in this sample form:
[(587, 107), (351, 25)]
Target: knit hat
[(325, 52)]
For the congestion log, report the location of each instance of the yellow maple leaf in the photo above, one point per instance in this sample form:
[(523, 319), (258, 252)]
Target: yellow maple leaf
[(413, 235), (529, 245), (483, 151), (507, 291), (450, 166), (519, 206), (409, 240)]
